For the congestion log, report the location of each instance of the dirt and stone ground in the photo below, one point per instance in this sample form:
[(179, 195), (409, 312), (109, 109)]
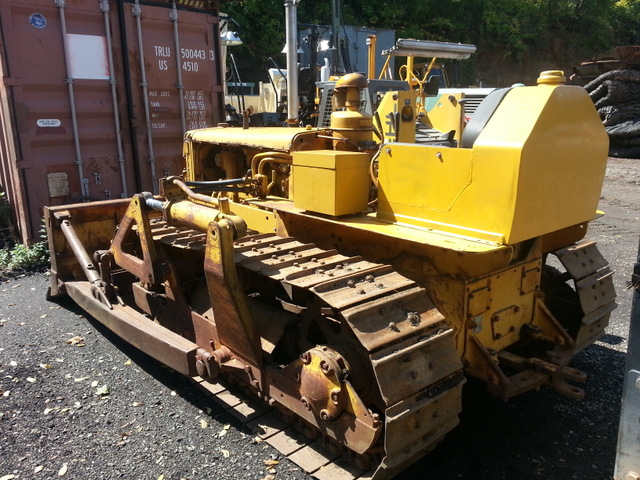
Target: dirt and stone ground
[(76, 402)]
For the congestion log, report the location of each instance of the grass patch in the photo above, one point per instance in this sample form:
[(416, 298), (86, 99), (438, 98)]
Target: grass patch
[(16, 257), (23, 258)]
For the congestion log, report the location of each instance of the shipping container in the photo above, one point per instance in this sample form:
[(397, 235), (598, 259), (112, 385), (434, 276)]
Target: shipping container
[(97, 95)]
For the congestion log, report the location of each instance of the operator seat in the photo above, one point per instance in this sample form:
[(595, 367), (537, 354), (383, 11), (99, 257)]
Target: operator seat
[(482, 116)]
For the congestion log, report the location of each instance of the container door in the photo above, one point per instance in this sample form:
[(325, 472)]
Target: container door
[(78, 121), (173, 62), (61, 105)]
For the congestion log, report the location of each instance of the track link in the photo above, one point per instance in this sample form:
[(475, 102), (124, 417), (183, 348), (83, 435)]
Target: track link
[(594, 295), (405, 350), (405, 341)]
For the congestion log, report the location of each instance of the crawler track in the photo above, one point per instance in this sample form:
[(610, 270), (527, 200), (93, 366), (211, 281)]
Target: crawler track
[(583, 296), (400, 349)]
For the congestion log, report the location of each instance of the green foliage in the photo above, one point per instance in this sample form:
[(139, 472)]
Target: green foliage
[(626, 19), (22, 258), (521, 33)]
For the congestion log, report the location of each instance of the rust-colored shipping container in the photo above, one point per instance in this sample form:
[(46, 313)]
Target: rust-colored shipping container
[(97, 95)]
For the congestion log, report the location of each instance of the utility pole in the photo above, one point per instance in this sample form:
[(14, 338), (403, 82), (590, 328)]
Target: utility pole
[(335, 36), (291, 10)]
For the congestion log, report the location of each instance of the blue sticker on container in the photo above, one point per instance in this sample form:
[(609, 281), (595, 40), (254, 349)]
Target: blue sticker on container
[(38, 20)]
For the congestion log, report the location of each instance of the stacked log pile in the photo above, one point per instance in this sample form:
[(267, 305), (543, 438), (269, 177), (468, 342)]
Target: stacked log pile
[(616, 95)]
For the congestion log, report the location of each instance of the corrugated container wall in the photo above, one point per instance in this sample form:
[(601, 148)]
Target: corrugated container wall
[(97, 95)]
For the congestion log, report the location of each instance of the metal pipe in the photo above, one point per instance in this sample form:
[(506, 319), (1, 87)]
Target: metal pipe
[(257, 159), (153, 203), (235, 74), (427, 48), (194, 196), (239, 189), (371, 56), (133, 137), (335, 35), (84, 182), (184, 213), (136, 11), (79, 251), (196, 211), (292, 61), (264, 161), (173, 15), (386, 70), (216, 183), (104, 7)]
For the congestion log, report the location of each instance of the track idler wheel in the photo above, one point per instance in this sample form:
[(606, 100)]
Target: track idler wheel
[(321, 388)]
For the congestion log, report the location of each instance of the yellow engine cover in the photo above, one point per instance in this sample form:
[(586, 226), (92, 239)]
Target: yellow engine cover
[(536, 167), (331, 182)]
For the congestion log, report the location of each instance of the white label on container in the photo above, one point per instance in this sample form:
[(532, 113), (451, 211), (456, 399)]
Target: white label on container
[(58, 184), (48, 122), (88, 56), (196, 109)]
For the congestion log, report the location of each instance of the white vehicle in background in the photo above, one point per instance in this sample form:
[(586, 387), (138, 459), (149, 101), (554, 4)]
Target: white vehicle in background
[(628, 452)]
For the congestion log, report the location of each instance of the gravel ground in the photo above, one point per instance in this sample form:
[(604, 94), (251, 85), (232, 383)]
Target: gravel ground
[(76, 402)]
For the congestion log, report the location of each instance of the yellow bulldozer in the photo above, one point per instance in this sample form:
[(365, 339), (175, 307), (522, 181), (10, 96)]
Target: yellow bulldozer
[(353, 277)]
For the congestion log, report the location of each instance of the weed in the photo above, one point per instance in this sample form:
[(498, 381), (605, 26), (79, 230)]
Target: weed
[(22, 258)]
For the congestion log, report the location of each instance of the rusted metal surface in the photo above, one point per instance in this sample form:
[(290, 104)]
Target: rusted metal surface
[(133, 248), (618, 58), (64, 137), (593, 281), (155, 340), (236, 330), (327, 390), (352, 352), (94, 224), (386, 341)]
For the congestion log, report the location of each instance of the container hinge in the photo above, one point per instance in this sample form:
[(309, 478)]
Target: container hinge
[(11, 82)]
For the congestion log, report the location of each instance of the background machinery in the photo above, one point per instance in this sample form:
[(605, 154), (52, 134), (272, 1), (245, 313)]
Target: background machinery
[(354, 276)]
